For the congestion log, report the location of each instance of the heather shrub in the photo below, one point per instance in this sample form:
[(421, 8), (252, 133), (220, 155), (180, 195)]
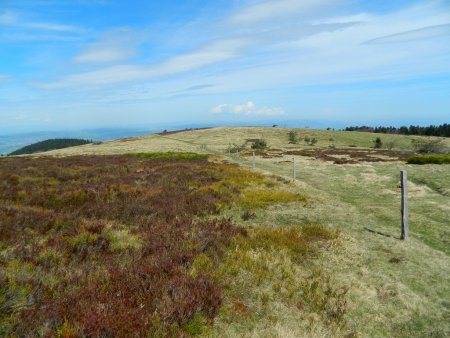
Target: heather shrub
[(114, 245)]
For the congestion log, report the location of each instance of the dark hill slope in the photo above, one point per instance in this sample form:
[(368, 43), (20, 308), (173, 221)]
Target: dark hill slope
[(50, 145)]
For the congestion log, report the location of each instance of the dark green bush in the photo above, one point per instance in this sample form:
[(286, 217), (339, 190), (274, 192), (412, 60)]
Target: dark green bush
[(377, 144), (430, 159), (259, 144)]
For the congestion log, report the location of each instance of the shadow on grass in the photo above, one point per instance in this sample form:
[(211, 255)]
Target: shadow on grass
[(379, 233)]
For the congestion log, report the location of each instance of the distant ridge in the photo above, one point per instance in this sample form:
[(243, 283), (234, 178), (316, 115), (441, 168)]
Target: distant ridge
[(51, 144)]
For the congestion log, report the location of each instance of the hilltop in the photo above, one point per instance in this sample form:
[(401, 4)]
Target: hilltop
[(218, 141)]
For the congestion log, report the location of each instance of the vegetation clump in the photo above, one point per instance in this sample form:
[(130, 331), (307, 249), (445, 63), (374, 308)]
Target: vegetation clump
[(425, 146), (293, 137), (51, 144), (259, 144), (377, 144), (430, 159)]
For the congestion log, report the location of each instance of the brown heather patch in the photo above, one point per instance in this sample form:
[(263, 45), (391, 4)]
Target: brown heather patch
[(104, 245), (351, 156)]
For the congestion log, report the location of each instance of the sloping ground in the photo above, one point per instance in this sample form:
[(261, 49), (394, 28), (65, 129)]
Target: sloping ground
[(395, 288)]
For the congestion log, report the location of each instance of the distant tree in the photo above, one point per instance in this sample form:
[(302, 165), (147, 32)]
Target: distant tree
[(293, 137), (377, 144)]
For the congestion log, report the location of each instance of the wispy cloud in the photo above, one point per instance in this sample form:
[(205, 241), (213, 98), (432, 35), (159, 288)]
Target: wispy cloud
[(215, 52), (114, 46), (413, 35), (248, 108), (14, 20), (270, 10), (8, 18), (4, 78)]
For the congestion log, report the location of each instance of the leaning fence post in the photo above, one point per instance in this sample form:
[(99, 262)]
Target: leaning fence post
[(404, 204), (254, 160), (293, 168)]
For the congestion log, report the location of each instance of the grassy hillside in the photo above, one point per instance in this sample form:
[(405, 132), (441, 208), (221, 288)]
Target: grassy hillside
[(218, 140), (378, 286)]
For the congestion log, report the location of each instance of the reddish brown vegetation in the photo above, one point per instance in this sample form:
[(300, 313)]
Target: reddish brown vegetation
[(350, 156), (70, 207)]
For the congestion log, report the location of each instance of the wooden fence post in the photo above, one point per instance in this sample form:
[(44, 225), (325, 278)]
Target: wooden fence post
[(404, 204), (254, 160), (293, 168)]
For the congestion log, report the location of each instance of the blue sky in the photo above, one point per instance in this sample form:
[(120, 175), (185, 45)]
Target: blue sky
[(104, 63)]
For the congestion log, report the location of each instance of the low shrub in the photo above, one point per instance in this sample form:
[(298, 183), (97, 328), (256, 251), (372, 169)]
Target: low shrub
[(430, 159), (234, 148), (293, 137), (377, 144), (259, 144), (427, 146)]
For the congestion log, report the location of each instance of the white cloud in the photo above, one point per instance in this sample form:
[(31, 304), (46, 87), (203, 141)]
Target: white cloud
[(215, 52), (248, 108), (271, 10)]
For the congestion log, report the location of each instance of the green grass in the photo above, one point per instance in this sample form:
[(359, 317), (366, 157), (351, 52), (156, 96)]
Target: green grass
[(261, 198), (273, 289), (430, 159), (171, 155)]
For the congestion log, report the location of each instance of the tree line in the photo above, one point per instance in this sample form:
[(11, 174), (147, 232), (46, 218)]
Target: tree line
[(442, 130), (51, 144)]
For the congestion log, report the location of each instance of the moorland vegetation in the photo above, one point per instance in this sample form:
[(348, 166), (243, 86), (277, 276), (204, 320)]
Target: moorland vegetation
[(136, 245)]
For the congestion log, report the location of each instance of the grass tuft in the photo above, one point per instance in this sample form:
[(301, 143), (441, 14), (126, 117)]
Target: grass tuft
[(262, 198)]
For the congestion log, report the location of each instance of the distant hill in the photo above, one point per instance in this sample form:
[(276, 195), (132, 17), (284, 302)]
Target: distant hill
[(51, 144)]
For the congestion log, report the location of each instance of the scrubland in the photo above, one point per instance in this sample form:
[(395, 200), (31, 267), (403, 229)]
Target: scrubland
[(184, 246)]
